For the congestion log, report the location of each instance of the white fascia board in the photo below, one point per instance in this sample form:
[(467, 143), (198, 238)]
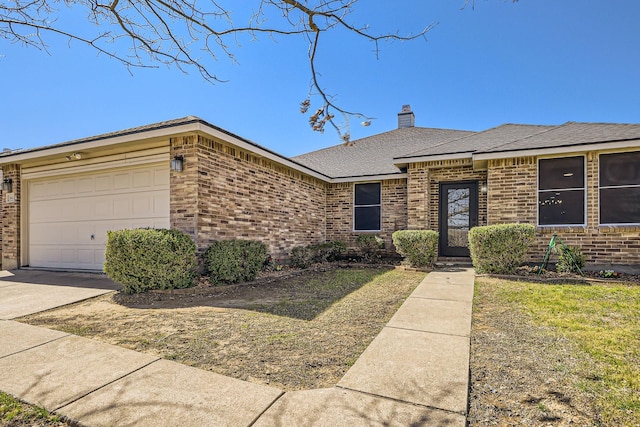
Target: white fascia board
[(208, 130), (366, 178), (102, 142), (558, 150), (434, 158), (166, 132)]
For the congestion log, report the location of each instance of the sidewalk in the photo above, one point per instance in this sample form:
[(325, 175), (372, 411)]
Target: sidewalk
[(415, 372)]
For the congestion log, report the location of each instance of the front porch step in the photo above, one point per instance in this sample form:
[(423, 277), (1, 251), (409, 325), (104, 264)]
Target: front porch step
[(453, 262)]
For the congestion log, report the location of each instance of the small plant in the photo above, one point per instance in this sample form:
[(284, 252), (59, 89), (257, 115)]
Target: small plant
[(369, 246), (272, 265), (301, 257), (609, 274), (570, 260), (418, 247)]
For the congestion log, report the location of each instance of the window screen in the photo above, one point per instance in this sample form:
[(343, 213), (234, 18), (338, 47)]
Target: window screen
[(561, 191), (367, 207), (620, 188)]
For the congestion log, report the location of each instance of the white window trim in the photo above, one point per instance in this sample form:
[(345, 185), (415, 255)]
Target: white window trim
[(583, 188), (624, 224), (353, 214)]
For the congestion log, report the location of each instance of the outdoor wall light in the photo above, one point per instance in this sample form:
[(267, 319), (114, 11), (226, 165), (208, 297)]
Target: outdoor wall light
[(483, 188), (76, 156), (177, 163), (7, 185)]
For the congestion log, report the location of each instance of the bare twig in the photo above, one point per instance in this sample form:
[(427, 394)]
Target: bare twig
[(171, 32)]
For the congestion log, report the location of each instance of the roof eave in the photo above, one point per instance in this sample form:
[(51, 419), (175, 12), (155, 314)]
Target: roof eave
[(431, 158), (365, 178), (549, 151), (190, 126), (215, 131)]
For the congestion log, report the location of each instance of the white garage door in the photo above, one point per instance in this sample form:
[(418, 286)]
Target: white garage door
[(69, 216)]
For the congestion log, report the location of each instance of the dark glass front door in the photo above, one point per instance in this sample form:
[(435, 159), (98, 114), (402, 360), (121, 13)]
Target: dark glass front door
[(458, 213)]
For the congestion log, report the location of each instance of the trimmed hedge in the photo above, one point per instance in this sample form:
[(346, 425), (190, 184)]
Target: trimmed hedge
[(501, 248), (233, 261), (418, 247), (146, 258)]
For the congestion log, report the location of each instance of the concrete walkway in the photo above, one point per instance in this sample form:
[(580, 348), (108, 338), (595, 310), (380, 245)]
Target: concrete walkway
[(24, 292), (415, 372)]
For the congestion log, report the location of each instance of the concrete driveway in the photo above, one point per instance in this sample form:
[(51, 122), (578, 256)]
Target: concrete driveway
[(24, 292)]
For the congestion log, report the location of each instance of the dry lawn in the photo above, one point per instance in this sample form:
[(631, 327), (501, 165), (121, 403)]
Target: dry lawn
[(295, 333)]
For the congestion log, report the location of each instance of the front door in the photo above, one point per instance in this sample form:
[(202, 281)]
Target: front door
[(458, 213)]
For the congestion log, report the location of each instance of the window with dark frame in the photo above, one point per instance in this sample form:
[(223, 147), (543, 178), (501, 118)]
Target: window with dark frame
[(619, 188), (367, 207), (561, 191)]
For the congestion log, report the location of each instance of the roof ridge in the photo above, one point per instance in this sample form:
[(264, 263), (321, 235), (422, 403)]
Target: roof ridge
[(550, 128), (416, 153), (377, 135)]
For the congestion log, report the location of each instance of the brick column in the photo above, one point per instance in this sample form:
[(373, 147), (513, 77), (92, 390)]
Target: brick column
[(11, 219), (418, 197), (184, 187)]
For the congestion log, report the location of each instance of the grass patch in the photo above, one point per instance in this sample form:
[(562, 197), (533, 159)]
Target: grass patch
[(15, 413), (604, 321)]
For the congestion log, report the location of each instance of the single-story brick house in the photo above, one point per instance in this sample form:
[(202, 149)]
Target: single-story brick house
[(579, 180)]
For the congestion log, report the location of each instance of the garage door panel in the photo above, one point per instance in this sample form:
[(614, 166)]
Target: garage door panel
[(64, 214), (102, 183), (143, 206), (143, 179), (122, 181), (160, 203), (121, 207), (69, 186), (41, 234), (103, 208)]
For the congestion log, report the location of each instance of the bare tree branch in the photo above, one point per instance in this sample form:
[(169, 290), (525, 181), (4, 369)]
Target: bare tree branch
[(172, 32)]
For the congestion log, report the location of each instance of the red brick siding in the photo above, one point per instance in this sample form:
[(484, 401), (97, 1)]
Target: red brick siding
[(513, 198), (231, 193), (340, 212)]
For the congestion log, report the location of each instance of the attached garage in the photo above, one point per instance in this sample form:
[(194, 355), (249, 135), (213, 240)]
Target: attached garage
[(68, 216)]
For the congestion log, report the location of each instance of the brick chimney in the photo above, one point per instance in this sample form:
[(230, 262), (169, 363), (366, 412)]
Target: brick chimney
[(406, 118)]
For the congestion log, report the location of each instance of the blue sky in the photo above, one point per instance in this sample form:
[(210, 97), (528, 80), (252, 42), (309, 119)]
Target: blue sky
[(534, 62)]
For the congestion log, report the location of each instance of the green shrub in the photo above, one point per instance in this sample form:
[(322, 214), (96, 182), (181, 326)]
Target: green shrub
[(233, 261), (145, 258), (418, 247), (369, 246), (570, 260), (328, 251), (301, 257), (304, 256), (500, 248)]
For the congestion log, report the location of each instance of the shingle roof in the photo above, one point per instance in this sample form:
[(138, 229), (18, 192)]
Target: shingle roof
[(374, 155), (480, 141), (572, 134)]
